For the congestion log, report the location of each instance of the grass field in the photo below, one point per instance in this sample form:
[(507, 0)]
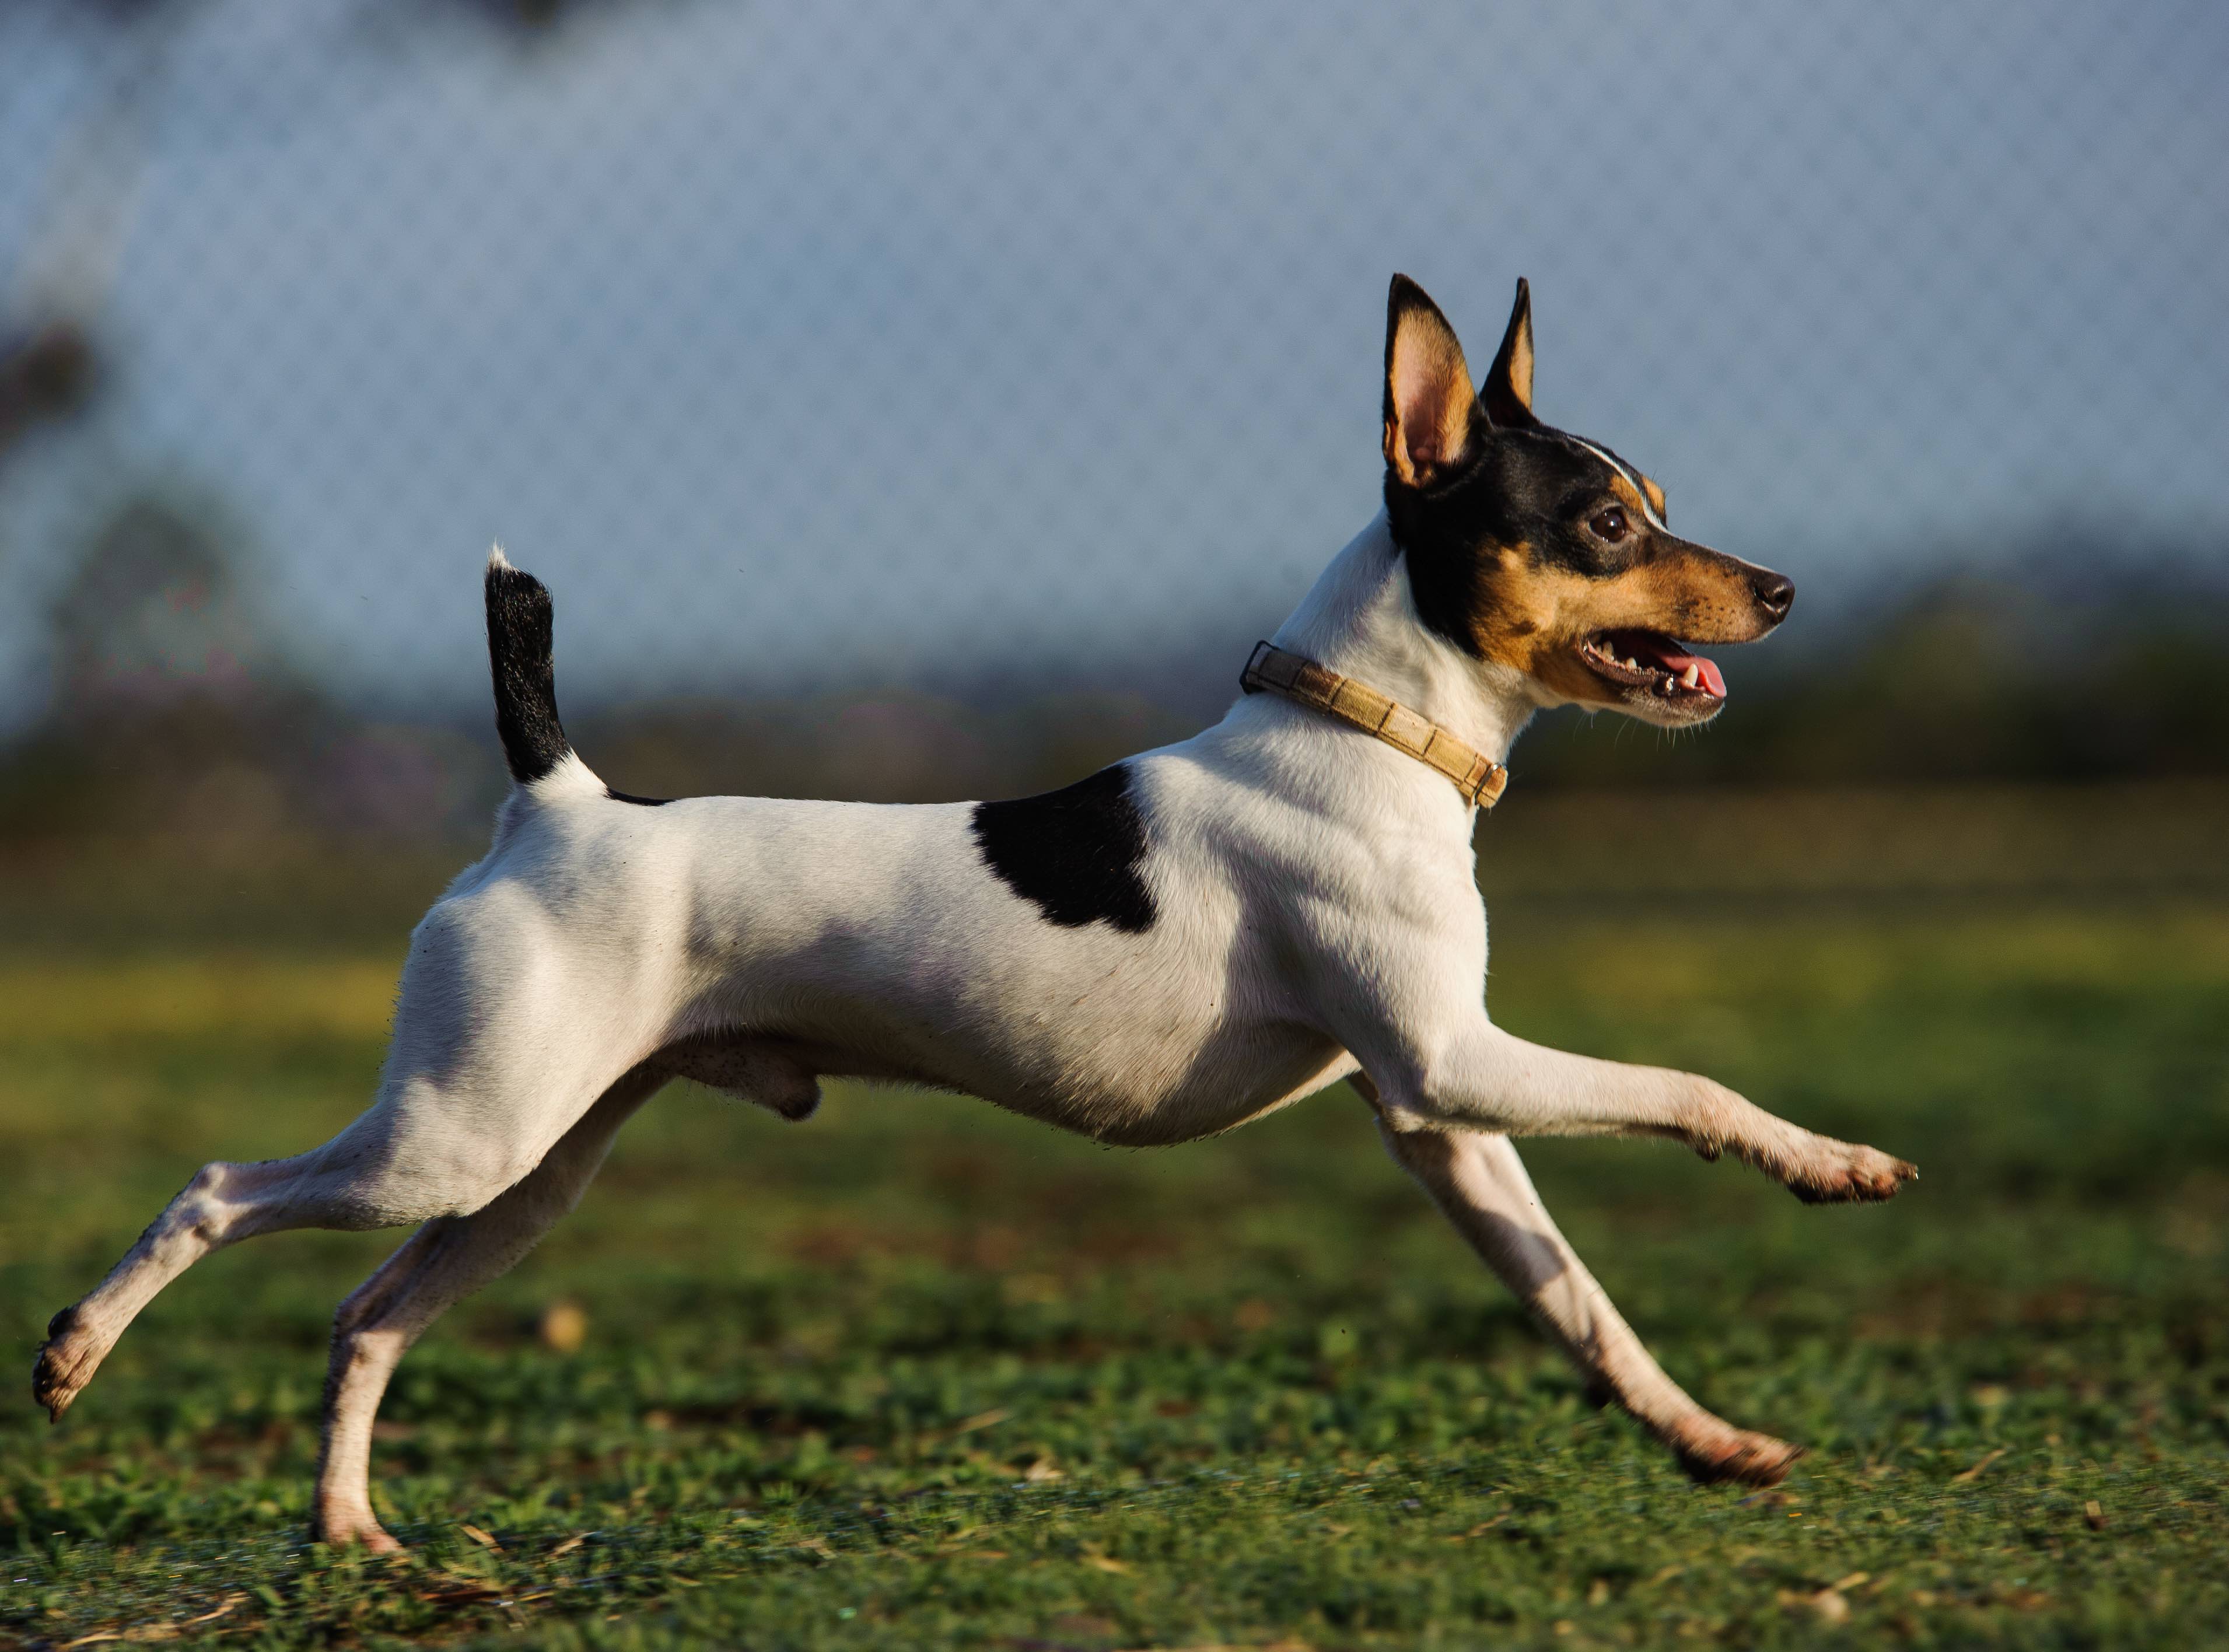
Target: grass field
[(915, 1374)]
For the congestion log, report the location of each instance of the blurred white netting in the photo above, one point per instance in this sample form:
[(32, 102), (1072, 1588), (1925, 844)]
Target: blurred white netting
[(805, 347)]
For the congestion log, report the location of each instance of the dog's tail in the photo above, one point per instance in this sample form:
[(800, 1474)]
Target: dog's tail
[(519, 629)]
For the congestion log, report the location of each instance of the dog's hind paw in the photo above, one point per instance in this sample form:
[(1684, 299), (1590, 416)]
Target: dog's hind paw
[(1842, 1172), (65, 1364), (342, 1527), (1740, 1458)]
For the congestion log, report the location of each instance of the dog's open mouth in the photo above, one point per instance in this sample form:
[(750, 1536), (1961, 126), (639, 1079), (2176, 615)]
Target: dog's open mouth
[(1652, 662)]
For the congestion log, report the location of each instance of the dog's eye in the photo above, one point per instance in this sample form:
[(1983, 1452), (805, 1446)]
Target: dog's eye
[(1609, 525)]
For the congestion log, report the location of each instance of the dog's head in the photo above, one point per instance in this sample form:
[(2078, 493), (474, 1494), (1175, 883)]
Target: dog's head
[(1541, 552)]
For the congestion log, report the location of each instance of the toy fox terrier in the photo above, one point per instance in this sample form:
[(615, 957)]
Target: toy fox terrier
[(1187, 940)]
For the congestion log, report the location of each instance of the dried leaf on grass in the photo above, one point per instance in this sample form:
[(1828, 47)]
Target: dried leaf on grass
[(1979, 1468), (1830, 1604), (460, 1593)]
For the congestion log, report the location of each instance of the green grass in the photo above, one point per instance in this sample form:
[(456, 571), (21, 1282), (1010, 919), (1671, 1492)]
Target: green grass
[(915, 1374)]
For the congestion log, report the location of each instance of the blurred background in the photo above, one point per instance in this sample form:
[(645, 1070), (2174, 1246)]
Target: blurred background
[(922, 401), (914, 402)]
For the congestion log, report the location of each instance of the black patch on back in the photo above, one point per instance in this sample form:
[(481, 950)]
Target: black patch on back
[(629, 797), (1075, 853)]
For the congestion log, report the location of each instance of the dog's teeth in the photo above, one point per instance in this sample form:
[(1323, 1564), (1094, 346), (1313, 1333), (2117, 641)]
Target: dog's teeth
[(1692, 677), (1631, 664)]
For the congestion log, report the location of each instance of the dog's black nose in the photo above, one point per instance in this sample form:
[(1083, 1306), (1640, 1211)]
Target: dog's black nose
[(1776, 593)]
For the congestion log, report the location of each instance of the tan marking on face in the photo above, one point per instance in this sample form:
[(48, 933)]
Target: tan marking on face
[(1630, 496), (1623, 477), (1533, 619)]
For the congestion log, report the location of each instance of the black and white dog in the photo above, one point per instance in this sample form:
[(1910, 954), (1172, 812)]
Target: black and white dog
[(1180, 943)]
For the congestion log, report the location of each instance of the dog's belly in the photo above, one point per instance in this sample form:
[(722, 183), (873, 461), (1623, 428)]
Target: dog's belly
[(1130, 1040), (1157, 1084), (1173, 1094)]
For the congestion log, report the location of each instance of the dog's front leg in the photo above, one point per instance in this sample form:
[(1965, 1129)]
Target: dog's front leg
[(1479, 1078), (1480, 1184)]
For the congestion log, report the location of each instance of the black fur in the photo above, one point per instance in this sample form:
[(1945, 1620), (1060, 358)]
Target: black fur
[(1075, 853), (1535, 488), (518, 628), (629, 797)]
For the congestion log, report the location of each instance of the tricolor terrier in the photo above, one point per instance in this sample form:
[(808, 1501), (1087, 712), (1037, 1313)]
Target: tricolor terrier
[(1178, 944)]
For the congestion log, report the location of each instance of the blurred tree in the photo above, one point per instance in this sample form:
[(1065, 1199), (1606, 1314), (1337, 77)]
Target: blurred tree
[(153, 622), (173, 708), (50, 347), (525, 23), (47, 371)]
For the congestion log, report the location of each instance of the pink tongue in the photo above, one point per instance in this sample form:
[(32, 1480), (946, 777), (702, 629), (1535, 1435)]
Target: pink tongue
[(1676, 660)]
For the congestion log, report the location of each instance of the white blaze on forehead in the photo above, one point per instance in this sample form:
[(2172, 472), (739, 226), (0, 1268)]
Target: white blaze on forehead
[(1626, 471)]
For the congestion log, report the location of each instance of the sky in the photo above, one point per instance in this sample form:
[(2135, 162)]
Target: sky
[(815, 347)]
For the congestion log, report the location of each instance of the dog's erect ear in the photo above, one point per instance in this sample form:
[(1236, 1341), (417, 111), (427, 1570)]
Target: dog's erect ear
[(1507, 393), (1430, 404)]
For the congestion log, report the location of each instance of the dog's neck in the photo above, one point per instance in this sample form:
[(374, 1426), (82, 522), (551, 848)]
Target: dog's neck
[(1360, 620)]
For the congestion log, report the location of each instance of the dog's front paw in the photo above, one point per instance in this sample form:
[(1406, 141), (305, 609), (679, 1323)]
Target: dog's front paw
[(1736, 1456), (1844, 1172), (66, 1362)]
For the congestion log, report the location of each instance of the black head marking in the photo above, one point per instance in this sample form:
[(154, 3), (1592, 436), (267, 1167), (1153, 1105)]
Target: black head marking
[(1076, 853), (1526, 493)]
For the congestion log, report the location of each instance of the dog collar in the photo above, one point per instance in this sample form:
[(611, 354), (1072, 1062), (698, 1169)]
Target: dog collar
[(1477, 777)]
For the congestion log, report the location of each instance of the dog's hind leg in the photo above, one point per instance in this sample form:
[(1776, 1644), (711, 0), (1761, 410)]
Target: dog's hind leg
[(223, 1205), (1479, 1184), (444, 1261), (419, 1152)]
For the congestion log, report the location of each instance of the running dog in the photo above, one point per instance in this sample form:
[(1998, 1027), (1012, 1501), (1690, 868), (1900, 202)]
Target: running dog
[(1187, 940)]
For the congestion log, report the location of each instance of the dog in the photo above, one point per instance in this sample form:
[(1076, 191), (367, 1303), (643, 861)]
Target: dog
[(1187, 940)]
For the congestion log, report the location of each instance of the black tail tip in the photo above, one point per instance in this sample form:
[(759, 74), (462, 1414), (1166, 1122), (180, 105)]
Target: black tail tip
[(512, 586), (519, 634)]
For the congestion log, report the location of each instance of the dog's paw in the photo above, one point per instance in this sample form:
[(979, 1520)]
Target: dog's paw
[(1843, 1173), (1738, 1457), (66, 1362), (342, 1527)]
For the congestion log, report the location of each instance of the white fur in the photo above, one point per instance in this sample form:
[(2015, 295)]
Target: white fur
[(1318, 913)]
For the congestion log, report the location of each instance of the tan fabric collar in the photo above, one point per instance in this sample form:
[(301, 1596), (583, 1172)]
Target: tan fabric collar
[(1478, 777)]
